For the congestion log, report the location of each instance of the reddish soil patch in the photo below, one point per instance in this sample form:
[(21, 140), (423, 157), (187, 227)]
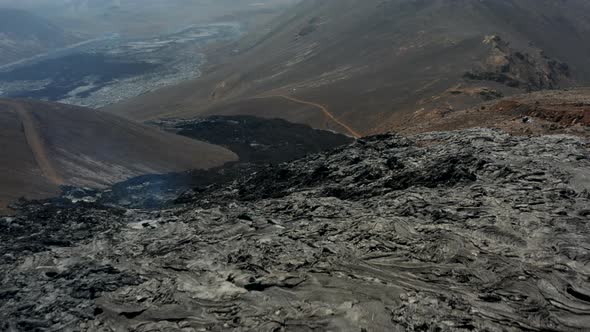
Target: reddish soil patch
[(541, 113)]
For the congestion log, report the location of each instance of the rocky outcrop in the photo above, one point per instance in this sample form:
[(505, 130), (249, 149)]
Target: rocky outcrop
[(528, 71), (449, 231)]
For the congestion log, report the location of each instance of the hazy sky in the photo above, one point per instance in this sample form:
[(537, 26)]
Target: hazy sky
[(69, 6), (107, 3), (135, 17)]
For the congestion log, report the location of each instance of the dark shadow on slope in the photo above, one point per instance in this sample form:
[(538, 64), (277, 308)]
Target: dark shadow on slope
[(258, 142)]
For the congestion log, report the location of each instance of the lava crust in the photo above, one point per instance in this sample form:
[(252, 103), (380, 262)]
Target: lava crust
[(472, 230)]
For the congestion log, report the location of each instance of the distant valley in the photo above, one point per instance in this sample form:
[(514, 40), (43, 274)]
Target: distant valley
[(23, 34), (106, 70)]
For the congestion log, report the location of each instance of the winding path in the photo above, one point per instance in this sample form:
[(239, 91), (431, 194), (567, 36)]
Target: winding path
[(322, 108), (36, 143)]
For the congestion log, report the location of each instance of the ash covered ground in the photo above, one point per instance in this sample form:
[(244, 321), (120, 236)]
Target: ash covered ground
[(471, 230)]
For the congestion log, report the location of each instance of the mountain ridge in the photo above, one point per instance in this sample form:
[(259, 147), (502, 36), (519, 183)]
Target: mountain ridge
[(374, 62)]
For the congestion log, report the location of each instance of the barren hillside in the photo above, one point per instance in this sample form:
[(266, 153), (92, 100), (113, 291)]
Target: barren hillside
[(47, 145), (371, 63)]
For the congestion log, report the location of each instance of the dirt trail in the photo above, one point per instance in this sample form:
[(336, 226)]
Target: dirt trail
[(36, 143), (322, 108)]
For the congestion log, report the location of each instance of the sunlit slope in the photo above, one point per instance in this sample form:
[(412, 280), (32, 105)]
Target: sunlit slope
[(47, 145)]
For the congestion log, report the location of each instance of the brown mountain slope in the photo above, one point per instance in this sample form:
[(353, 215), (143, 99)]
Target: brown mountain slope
[(47, 145), (371, 63)]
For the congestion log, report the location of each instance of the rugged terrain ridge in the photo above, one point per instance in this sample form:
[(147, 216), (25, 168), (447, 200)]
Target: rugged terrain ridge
[(471, 230)]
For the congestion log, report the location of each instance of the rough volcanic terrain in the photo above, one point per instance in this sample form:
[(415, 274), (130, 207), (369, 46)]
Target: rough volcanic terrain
[(471, 230)]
